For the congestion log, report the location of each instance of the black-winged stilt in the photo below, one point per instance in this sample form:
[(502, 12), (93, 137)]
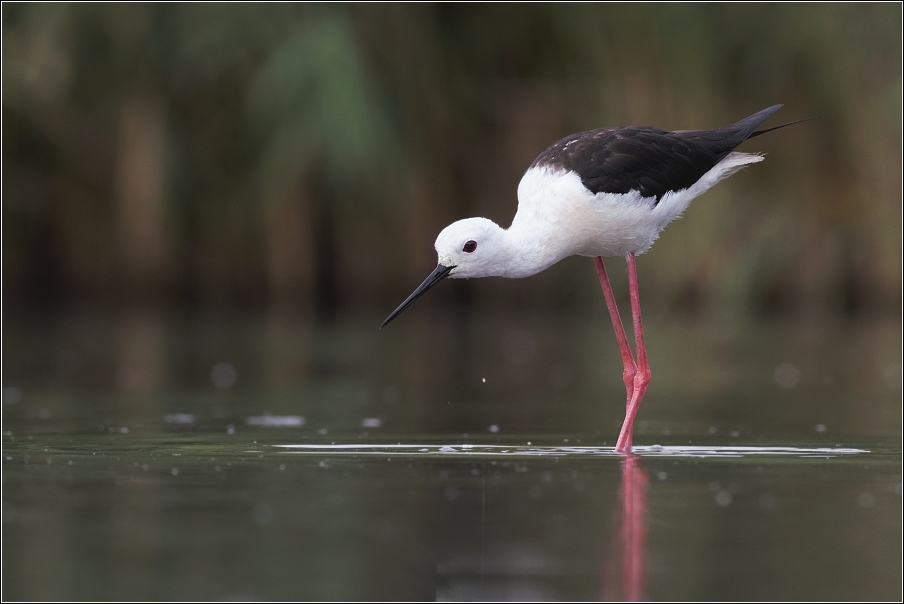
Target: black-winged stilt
[(606, 192)]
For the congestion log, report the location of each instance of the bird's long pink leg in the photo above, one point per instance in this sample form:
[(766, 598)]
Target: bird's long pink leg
[(642, 377), (627, 356)]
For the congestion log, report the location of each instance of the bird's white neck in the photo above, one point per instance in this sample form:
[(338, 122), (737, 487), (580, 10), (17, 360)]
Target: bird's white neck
[(528, 248)]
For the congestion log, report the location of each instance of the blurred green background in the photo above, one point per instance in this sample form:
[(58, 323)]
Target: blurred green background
[(208, 209), (302, 158)]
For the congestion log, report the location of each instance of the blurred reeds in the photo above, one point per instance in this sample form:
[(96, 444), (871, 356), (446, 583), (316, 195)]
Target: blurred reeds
[(302, 158)]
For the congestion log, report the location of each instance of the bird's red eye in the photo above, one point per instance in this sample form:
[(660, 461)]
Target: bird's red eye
[(469, 247)]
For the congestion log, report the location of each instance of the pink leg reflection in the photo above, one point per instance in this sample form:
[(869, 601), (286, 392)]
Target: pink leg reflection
[(632, 545)]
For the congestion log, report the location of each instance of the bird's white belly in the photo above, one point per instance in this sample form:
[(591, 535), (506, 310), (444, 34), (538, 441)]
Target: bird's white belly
[(571, 220), (564, 217), (609, 224)]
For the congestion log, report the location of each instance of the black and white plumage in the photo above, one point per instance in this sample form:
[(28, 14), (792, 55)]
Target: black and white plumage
[(649, 160), (606, 192)]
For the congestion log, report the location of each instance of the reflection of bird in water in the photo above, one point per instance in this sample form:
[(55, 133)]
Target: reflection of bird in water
[(633, 532), (606, 192)]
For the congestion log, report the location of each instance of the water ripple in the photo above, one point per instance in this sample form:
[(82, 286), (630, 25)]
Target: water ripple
[(698, 451)]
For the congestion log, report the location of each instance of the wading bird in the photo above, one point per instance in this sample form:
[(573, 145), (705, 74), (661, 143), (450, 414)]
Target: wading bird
[(606, 192)]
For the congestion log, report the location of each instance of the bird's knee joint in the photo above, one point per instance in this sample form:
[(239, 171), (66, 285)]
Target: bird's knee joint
[(629, 376)]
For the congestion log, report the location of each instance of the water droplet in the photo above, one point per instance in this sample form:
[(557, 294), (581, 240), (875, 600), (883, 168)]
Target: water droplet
[(223, 375), (11, 395), (866, 500), (786, 375), (179, 418)]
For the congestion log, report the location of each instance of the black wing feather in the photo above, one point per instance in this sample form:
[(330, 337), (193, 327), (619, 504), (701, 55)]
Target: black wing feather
[(646, 159)]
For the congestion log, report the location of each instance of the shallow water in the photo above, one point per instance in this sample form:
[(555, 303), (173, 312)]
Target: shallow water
[(337, 466)]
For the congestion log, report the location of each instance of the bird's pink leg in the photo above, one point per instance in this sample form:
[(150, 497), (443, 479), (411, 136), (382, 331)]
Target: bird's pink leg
[(642, 377), (627, 356)]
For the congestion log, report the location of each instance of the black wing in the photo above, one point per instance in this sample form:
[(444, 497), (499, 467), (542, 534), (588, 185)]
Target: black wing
[(646, 159)]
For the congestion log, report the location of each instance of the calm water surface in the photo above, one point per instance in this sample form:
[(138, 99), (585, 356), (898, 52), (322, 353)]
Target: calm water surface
[(149, 458)]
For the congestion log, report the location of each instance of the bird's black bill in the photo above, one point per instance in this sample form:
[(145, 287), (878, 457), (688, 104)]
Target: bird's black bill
[(438, 274)]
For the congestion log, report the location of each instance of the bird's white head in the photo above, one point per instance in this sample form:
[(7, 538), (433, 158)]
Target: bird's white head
[(473, 247)]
